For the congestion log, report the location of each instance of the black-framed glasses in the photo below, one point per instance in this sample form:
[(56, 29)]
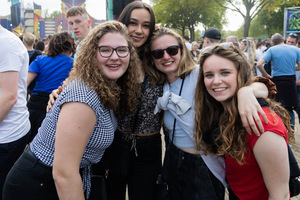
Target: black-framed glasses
[(171, 50), (293, 34), (107, 51)]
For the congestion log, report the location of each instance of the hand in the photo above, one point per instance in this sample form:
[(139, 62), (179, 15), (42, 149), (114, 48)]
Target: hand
[(249, 108), (53, 96)]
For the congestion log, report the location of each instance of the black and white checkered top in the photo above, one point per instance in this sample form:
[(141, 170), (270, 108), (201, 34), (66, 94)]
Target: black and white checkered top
[(43, 144)]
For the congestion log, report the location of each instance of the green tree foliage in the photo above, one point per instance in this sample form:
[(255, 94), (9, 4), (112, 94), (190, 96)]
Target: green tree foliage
[(248, 9), (270, 20), (188, 14)]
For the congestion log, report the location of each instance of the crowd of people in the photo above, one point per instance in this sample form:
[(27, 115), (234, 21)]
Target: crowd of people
[(71, 110)]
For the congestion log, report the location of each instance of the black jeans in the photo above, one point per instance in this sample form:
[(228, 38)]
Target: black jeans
[(29, 179), (9, 153), (37, 105), (189, 178), (140, 172)]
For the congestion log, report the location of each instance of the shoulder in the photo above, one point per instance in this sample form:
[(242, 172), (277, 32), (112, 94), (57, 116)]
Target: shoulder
[(274, 125)]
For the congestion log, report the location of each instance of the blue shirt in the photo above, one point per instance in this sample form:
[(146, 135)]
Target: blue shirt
[(51, 72), (283, 59)]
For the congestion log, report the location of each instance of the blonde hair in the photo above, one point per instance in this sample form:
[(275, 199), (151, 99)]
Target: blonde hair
[(28, 39), (77, 10), (121, 96), (219, 129), (186, 64)]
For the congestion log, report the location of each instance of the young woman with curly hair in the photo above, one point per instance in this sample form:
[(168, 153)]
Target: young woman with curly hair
[(81, 124), (257, 167)]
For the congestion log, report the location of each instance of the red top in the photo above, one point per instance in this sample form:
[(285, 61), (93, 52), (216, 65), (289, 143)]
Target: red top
[(246, 180)]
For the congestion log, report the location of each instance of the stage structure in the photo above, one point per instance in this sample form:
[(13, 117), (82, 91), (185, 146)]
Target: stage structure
[(31, 20)]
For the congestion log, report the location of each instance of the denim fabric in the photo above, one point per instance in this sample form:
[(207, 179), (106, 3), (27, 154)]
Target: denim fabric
[(142, 169), (9, 153), (29, 179), (189, 178)]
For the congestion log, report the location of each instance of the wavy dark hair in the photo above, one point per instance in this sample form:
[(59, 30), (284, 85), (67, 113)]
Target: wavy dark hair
[(125, 19), (121, 96), (219, 129), (61, 43)]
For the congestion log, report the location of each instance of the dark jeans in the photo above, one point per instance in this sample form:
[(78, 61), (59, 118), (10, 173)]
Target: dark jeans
[(37, 105), (9, 153), (189, 178), (29, 179), (140, 173)]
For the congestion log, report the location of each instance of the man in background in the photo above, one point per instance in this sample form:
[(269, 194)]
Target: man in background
[(212, 36), (80, 23), (283, 59), (28, 41)]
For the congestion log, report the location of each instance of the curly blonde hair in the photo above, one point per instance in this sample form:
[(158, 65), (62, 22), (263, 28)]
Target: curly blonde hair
[(186, 64), (122, 95), (219, 129)]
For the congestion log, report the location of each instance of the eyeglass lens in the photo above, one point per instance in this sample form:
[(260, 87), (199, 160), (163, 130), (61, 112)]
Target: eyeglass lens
[(107, 51), (159, 53)]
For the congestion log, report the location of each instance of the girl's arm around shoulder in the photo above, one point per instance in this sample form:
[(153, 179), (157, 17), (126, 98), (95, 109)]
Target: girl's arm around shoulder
[(249, 107), (271, 154), (74, 128)]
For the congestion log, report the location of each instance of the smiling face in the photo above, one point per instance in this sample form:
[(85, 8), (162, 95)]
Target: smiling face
[(80, 25), (139, 26), (168, 64), (112, 67), (220, 78)]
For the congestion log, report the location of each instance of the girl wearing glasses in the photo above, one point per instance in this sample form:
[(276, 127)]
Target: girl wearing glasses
[(81, 123), (256, 167), (134, 159), (189, 174)]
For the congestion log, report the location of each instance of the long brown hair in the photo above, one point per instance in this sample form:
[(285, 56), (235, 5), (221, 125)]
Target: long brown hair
[(121, 96), (125, 19), (219, 129)]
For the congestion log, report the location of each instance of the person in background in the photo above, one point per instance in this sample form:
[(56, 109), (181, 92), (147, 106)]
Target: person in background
[(80, 24), (283, 59), (49, 71), (189, 174), (234, 40), (252, 170), (14, 116), (40, 46), (212, 36), (187, 43), (194, 52), (292, 40), (81, 124), (28, 41)]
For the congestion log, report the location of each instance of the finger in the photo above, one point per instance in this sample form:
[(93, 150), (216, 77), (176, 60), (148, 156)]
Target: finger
[(259, 123), (245, 123), (253, 125)]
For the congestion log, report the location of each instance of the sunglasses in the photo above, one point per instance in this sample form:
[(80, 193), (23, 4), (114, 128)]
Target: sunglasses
[(171, 50), (293, 34)]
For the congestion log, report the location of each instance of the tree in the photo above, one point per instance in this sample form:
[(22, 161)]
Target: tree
[(187, 14), (247, 8), (270, 19)]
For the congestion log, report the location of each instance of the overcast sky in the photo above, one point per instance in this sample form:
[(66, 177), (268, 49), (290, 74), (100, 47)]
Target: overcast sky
[(97, 9)]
